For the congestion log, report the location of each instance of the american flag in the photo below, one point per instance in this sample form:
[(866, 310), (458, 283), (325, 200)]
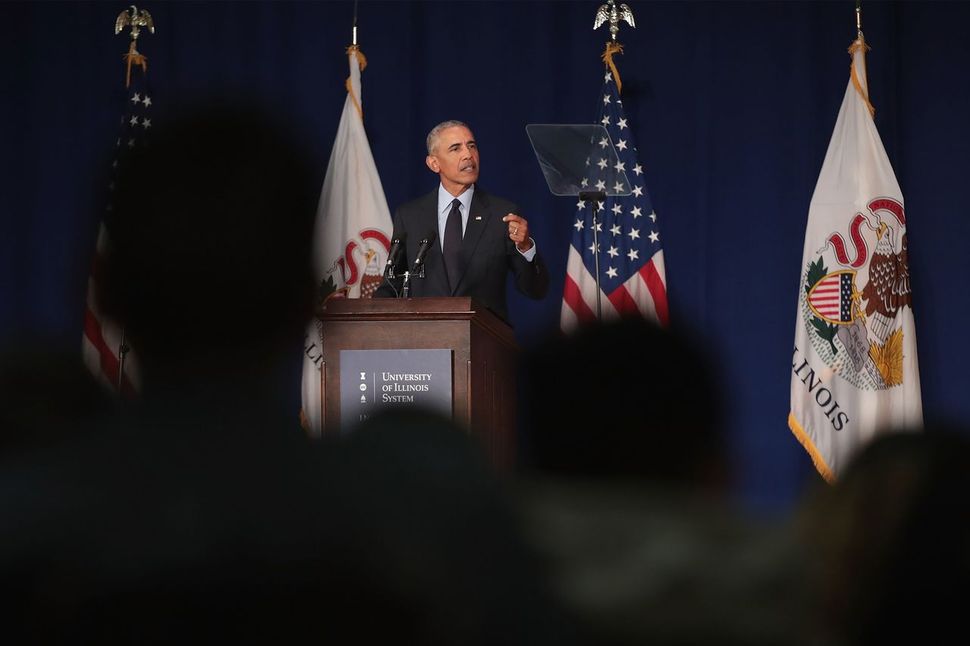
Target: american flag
[(103, 339), (631, 257)]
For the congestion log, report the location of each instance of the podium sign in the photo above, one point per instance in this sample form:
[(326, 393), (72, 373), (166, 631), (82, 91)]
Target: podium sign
[(468, 351), (372, 380)]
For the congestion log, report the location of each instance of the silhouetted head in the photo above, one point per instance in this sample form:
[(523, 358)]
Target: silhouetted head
[(894, 537), (627, 398), (209, 263)]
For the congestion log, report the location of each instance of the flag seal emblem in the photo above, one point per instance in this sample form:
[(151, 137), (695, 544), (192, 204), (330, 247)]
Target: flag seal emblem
[(859, 334)]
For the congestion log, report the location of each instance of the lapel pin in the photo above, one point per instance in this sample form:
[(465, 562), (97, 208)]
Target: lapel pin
[(478, 217)]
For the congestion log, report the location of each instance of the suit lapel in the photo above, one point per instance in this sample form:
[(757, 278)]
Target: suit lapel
[(434, 266)]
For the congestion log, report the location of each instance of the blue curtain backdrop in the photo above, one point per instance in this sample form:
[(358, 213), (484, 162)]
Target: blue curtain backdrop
[(732, 105)]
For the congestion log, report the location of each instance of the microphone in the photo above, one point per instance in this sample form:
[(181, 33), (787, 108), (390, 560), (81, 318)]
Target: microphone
[(423, 246), (393, 254)]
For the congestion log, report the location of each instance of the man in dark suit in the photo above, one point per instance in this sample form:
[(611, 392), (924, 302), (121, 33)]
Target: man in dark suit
[(478, 238)]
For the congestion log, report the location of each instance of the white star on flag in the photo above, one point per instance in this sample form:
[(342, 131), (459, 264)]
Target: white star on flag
[(654, 236), (611, 272)]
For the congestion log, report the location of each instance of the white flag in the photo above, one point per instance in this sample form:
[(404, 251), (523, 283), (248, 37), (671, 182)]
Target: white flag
[(352, 231), (854, 367)]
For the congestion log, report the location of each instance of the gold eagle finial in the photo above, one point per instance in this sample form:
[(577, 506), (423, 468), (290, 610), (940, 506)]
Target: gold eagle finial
[(609, 12), (136, 19)]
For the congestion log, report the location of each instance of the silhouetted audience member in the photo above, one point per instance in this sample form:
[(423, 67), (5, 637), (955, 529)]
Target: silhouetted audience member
[(624, 399), (892, 539), (186, 511), (209, 266), (439, 533), (205, 513), (624, 496)]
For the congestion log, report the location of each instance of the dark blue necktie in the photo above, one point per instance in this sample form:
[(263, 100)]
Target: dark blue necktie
[(451, 244)]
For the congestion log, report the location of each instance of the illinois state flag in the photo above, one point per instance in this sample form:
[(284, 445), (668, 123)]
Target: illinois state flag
[(854, 367), (352, 231), (631, 263)]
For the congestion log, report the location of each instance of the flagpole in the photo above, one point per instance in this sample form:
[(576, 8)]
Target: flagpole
[(858, 18), (610, 15), (355, 25), (597, 198)]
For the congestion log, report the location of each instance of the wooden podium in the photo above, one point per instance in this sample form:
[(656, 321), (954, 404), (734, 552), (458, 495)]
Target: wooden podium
[(483, 358)]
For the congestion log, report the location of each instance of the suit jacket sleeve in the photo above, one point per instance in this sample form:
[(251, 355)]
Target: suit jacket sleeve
[(531, 278)]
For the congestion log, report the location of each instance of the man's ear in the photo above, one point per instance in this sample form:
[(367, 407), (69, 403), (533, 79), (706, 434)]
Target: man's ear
[(432, 163)]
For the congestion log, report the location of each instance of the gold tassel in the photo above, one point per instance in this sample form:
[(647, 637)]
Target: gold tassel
[(133, 57), (817, 459), (611, 49), (856, 46), (362, 62)]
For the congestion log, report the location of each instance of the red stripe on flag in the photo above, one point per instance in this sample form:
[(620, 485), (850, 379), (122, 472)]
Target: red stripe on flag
[(92, 330), (652, 279), (623, 301), (574, 299), (108, 361)]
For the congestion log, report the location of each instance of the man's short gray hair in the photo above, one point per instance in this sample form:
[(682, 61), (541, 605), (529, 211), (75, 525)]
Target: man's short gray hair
[(432, 140)]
